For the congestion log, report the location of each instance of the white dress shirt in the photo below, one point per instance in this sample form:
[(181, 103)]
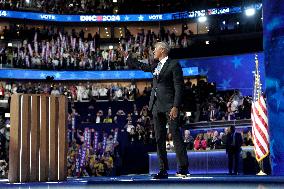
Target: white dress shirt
[(162, 62)]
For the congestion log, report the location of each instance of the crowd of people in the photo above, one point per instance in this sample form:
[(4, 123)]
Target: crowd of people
[(61, 6), (136, 126), (79, 91), (210, 139), (109, 6), (202, 101), (205, 103), (50, 48), (89, 155), (4, 147)]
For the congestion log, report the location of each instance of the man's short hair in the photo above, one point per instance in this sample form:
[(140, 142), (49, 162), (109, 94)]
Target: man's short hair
[(164, 46)]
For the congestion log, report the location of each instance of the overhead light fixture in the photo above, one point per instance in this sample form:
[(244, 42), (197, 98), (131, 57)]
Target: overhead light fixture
[(250, 12), (207, 42), (202, 19)]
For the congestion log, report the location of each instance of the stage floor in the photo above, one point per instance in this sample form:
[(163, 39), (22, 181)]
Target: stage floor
[(142, 181)]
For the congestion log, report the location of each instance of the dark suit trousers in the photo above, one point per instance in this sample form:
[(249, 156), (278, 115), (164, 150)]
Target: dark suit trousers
[(160, 121), (234, 157)]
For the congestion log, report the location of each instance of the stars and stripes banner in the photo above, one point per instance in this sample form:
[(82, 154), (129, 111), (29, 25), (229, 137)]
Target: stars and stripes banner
[(259, 119), (260, 128), (84, 75)]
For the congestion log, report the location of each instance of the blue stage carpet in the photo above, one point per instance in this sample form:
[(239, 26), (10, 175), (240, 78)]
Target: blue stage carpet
[(142, 181)]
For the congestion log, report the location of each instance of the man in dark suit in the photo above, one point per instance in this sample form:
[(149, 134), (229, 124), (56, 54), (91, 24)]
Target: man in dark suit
[(165, 103), (233, 149)]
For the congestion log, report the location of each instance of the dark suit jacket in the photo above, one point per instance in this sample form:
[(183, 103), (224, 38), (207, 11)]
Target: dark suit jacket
[(238, 143), (168, 85)]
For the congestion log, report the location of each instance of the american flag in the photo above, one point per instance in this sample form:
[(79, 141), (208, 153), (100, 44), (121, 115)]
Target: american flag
[(259, 120)]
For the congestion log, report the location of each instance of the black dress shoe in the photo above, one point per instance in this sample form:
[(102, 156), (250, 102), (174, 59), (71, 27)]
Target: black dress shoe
[(183, 173), (161, 175)]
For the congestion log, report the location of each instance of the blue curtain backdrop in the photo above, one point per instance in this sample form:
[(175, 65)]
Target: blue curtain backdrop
[(273, 17), (229, 72)]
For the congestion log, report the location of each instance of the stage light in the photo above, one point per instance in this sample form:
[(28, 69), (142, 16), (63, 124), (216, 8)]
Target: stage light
[(27, 1), (250, 12), (207, 42), (202, 19), (238, 23), (110, 47), (114, 1), (224, 22), (10, 44)]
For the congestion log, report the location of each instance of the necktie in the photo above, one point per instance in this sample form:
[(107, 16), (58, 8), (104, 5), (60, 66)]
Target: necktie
[(158, 69)]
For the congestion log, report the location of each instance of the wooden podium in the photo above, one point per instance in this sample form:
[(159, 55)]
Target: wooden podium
[(38, 138)]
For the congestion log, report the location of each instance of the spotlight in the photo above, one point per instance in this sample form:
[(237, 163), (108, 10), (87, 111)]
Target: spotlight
[(202, 19), (224, 22), (238, 23), (207, 42), (250, 12)]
